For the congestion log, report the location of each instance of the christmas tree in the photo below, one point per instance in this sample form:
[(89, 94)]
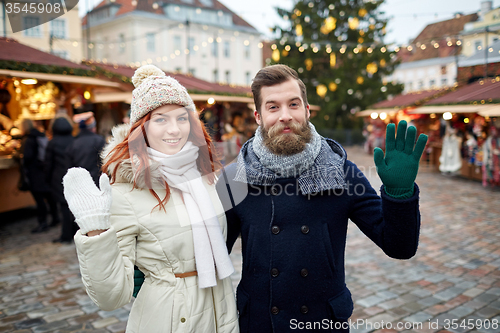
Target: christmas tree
[(338, 50)]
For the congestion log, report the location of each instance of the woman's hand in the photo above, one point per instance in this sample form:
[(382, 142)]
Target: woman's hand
[(90, 205)]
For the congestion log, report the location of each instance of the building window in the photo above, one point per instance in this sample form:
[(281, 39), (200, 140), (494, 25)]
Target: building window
[(215, 48), (420, 84), (177, 43), (58, 28), (31, 26), (178, 69), (247, 51), (478, 45), (248, 78), (432, 83), (444, 82), (216, 75), (228, 77), (227, 49), (61, 54), (122, 43), (444, 70), (191, 42), (150, 42), (207, 3), (192, 71)]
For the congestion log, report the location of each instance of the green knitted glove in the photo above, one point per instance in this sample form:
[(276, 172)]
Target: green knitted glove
[(138, 281), (399, 168)]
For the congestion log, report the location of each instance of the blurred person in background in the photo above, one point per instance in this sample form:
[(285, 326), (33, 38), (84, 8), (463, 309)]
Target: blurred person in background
[(33, 150), (85, 149), (56, 166)]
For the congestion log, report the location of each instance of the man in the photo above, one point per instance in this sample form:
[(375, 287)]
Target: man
[(87, 145), (290, 196)]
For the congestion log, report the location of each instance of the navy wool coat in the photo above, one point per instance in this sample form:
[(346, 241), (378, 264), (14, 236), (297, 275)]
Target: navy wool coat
[(293, 246)]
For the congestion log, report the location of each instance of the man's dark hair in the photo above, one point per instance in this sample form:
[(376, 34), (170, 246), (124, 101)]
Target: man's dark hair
[(272, 75)]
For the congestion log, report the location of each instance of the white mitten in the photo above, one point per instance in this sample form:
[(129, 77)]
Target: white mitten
[(90, 205)]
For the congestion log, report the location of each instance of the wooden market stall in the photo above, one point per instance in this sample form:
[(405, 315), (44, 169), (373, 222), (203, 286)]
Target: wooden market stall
[(36, 85)]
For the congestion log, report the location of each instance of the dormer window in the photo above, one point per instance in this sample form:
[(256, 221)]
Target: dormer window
[(207, 3), (188, 1)]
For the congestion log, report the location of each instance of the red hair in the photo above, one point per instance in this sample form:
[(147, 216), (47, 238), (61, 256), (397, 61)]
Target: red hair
[(135, 145)]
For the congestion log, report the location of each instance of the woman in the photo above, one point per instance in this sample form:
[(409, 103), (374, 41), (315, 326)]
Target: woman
[(56, 166), (33, 150), (161, 213)]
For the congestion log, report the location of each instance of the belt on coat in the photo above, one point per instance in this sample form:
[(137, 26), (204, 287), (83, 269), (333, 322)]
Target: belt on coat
[(185, 275)]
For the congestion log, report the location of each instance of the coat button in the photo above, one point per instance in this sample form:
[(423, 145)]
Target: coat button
[(275, 310), (275, 272), (183, 320), (275, 190), (304, 272), (275, 229), (304, 229), (304, 309)]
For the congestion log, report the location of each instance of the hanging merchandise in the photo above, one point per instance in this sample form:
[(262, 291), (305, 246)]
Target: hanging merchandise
[(491, 157), (450, 159)]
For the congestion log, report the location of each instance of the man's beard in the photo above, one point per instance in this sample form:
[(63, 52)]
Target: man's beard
[(280, 143)]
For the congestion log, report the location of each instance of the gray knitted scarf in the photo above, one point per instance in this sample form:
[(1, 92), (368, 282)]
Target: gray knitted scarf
[(286, 166), (320, 167)]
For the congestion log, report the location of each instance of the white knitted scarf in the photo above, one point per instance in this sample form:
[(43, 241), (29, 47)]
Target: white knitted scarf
[(180, 171)]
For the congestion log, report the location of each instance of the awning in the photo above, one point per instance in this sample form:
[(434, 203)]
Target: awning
[(367, 113), (221, 98), (112, 97), (84, 80), (491, 111), (450, 108), (126, 97)]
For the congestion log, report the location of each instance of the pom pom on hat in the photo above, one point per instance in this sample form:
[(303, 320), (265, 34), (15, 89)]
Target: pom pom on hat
[(145, 72), (154, 89)]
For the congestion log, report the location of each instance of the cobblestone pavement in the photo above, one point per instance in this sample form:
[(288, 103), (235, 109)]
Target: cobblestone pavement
[(454, 278)]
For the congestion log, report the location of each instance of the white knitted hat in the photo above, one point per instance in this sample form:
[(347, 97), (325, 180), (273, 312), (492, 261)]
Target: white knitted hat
[(154, 89)]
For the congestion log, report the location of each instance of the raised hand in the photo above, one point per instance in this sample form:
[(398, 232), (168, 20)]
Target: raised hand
[(399, 168), (89, 205)]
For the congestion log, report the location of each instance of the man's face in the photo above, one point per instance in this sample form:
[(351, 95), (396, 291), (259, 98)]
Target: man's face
[(284, 118)]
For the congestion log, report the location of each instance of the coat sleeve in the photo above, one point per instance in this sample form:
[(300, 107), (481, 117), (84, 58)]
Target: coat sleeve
[(49, 162), (30, 152), (393, 224), (227, 195), (107, 260)]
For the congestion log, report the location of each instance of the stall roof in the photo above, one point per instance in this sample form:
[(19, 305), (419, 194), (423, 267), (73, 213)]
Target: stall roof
[(409, 99), (460, 108), (12, 50), (368, 112), (61, 78), (482, 91)]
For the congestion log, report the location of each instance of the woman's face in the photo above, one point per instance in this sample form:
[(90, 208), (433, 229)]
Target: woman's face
[(168, 130)]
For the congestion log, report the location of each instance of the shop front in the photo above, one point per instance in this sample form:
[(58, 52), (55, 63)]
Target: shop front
[(463, 125)]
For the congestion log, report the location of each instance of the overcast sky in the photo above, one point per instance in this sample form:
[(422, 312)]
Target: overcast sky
[(408, 17)]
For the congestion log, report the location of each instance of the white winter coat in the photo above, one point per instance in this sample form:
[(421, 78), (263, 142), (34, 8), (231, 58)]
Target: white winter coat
[(161, 245)]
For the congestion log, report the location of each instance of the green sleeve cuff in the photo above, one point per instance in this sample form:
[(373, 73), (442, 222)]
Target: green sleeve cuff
[(400, 193)]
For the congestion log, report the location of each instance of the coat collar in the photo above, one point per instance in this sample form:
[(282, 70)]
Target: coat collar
[(126, 172)]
